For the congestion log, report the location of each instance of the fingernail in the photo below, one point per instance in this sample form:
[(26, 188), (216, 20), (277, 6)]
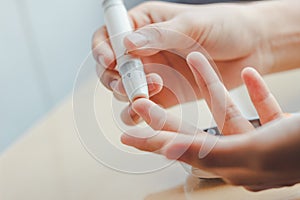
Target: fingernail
[(131, 112), (151, 85), (101, 61), (113, 84), (133, 115), (137, 39)]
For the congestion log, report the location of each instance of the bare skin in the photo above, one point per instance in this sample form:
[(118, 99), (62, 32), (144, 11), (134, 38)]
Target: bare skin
[(234, 36), (257, 159)]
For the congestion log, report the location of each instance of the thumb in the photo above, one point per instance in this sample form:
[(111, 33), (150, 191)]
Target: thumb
[(168, 35)]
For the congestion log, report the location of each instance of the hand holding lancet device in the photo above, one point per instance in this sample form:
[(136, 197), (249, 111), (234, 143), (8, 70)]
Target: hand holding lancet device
[(130, 67)]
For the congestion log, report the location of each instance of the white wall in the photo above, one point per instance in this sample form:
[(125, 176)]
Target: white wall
[(42, 44)]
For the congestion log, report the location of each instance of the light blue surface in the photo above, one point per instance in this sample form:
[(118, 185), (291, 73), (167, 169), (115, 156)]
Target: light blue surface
[(21, 100), (42, 44)]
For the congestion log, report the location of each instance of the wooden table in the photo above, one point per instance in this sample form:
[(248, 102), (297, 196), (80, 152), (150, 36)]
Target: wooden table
[(50, 162)]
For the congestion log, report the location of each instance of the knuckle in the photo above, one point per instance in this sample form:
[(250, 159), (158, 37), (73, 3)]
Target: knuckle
[(156, 31), (106, 76), (231, 112), (159, 32), (274, 116)]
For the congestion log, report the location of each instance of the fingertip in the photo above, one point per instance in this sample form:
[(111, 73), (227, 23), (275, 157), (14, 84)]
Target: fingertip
[(125, 139), (264, 102), (107, 76), (202, 70), (245, 74), (130, 117), (252, 78), (198, 64), (195, 57), (155, 78), (248, 72), (151, 113), (155, 84), (141, 107), (193, 60)]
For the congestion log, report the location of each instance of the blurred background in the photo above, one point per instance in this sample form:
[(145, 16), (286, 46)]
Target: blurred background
[(42, 45)]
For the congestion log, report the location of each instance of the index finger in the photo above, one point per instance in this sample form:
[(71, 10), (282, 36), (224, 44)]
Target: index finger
[(226, 114), (159, 119)]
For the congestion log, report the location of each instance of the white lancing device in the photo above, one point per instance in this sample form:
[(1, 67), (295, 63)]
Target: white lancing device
[(130, 68)]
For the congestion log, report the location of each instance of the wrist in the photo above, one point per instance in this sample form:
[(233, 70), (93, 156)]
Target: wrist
[(280, 28)]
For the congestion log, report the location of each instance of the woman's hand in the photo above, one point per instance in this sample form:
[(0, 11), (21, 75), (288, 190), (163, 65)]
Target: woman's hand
[(167, 32), (257, 159)]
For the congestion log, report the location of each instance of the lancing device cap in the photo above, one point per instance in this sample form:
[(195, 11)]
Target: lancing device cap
[(134, 79)]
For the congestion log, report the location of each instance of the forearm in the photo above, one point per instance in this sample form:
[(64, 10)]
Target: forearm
[(280, 24)]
